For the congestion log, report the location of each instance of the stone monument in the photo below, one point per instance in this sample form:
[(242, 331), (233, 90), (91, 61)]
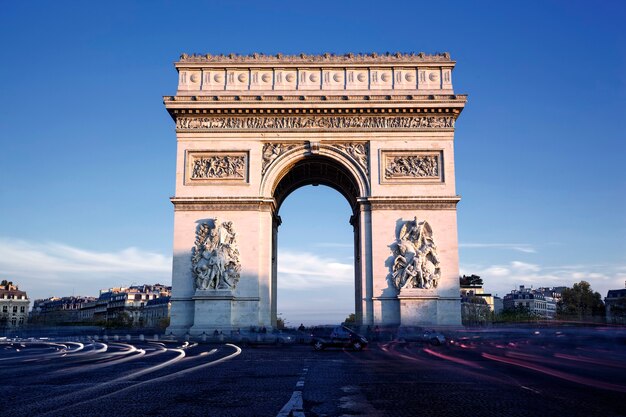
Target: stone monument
[(251, 129)]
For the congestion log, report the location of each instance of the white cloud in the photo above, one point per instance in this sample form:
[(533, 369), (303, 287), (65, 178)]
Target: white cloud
[(46, 269), (503, 278), (300, 270), (520, 247)]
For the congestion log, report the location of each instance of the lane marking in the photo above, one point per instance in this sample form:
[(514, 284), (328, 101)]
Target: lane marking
[(294, 407), (161, 378)]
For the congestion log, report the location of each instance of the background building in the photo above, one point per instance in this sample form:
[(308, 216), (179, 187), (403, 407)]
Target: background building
[(541, 302), (13, 305), (477, 306), (156, 313), (615, 303), (124, 306), (59, 310)]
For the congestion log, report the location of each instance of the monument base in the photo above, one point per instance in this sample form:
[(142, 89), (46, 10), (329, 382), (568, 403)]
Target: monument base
[(213, 310), (418, 307)]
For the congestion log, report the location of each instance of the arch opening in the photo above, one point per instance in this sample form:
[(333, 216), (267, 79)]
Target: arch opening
[(319, 170)]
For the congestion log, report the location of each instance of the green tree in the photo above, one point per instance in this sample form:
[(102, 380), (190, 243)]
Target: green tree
[(121, 320), (164, 323), (517, 314), (581, 303), (466, 280), (280, 323), (350, 320)]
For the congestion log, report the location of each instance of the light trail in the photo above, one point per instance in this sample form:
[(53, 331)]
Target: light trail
[(557, 374), (142, 383)]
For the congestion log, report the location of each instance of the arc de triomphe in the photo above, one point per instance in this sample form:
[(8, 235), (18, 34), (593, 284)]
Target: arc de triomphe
[(251, 129)]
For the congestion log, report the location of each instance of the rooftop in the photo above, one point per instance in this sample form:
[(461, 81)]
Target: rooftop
[(330, 58)]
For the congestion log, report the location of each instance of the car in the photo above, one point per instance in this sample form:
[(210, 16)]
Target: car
[(279, 337), (336, 336), (418, 334)]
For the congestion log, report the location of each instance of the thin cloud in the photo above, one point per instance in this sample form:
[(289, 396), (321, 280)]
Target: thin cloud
[(503, 278), (333, 245), (298, 270), (520, 247), (55, 269)]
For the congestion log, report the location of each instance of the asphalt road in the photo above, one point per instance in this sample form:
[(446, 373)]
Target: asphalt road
[(514, 373)]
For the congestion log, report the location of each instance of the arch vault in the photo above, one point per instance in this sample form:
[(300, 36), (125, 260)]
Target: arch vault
[(253, 129)]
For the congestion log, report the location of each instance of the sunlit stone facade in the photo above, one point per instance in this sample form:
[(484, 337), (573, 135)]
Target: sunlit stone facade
[(251, 129)]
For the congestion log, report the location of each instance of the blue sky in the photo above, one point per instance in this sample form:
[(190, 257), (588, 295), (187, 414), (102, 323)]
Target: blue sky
[(87, 150)]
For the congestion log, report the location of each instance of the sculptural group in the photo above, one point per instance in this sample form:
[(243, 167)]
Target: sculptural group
[(215, 257), (416, 263)]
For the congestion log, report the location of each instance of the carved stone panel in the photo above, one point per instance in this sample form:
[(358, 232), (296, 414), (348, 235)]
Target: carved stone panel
[(215, 261), (271, 151), (224, 166), (416, 262), (359, 151), (411, 166)]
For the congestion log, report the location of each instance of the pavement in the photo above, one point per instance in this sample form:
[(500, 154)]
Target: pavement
[(545, 372)]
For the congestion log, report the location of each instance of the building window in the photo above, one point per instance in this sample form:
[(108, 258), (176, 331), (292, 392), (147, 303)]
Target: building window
[(22, 309), (15, 309), (5, 309), (14, 321)]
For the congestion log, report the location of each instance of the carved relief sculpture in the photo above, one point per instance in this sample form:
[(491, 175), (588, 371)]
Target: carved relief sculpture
[(215, 261), (314, 122), (416, 263), (412, 166), (217, 166), (271, 151), (358, 151)]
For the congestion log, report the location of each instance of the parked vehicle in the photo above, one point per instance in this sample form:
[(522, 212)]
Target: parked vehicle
[(337, 336), (418, 334), (274, 337), (279, 337)]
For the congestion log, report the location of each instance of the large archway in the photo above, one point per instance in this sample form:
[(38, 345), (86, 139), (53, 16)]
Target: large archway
[(252, 129), (315, 259), (307, 169)]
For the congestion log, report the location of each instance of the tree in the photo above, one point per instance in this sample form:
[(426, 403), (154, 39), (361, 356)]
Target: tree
[(121, 320), (280, 323), (350, 320), (470, 280), (517, 314), (580, 302), (164, 323), (475, 311)]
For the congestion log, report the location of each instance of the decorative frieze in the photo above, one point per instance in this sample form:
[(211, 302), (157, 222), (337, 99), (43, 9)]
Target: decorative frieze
[(271, 151), (204, 166), (321, 122), (400, 166), (359, 151)]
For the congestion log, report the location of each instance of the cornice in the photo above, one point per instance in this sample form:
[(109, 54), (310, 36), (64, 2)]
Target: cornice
[(251, 97), (311, 105), (411, 203), (223, 203), (328, 59)]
